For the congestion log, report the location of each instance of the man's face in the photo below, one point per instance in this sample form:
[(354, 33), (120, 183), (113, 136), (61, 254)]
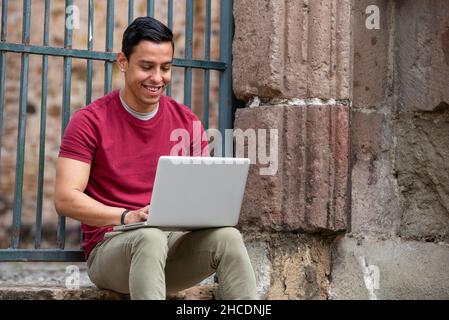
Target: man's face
[(147, 74)]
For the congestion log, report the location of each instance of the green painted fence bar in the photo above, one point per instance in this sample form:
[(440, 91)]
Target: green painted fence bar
[(109, 46), (199, 64), (89, 62), (67, 53), (103, 56), (4, 19), (90, 42), (225, 110), (170, 14), (66, 92), (40, 183), (57, 52), (17, 205), (2, 68), (150, 8), (170, 26), (188, 53), (41, 255), (130, 11), (207, 72)]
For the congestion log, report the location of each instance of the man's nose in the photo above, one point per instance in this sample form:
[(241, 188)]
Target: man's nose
[(156, 76)]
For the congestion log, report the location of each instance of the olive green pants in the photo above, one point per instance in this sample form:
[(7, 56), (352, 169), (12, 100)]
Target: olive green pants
[(148, 263)]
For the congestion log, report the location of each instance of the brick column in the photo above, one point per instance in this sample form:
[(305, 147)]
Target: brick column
[(296, 57)]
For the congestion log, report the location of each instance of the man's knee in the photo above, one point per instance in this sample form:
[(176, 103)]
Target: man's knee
[(228, 235), (149, 237), (227, 243)]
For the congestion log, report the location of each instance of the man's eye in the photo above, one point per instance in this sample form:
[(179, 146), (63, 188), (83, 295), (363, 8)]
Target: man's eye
[(166, 68)]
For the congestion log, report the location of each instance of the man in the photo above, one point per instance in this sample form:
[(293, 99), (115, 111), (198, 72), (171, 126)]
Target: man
[(105, 173)]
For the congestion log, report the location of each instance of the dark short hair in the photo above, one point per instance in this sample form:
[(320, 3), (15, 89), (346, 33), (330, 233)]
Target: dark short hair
[(145, 28)]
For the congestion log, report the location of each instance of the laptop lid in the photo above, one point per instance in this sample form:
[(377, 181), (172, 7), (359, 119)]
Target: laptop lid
[(197, 192)]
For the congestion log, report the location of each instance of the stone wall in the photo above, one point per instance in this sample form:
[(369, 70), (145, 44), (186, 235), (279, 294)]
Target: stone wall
[(362, 116), (398, 246)]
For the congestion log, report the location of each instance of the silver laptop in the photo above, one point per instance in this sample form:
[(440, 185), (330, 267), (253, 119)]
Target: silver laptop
[(192, 193)]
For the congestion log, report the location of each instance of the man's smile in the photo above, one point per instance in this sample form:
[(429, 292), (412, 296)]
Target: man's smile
[(153, 89)]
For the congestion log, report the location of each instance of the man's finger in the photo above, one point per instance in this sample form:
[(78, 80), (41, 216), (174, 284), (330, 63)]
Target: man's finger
[(143, 215)]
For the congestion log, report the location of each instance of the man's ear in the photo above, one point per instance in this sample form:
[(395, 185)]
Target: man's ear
[(122, 61)]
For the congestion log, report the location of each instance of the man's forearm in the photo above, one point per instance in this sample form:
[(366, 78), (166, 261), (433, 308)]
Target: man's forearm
[(79, 206)]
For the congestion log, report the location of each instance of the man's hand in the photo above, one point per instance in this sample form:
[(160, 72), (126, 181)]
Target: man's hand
[(137, 215)]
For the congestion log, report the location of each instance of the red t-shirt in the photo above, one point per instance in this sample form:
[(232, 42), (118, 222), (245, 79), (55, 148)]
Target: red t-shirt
[(123, 151)]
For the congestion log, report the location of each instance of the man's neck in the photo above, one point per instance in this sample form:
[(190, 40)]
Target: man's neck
[(139, 115), (130, 102)]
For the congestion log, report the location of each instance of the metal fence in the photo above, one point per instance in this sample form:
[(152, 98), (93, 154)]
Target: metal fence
[(14, 253)]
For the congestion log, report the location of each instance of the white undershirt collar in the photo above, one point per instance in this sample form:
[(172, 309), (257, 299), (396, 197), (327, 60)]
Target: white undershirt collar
[(139, 115)]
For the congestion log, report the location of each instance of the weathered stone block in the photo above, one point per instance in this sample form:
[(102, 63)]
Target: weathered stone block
[(309, 191), (423, 54), (375, 203), (389, 270), (292, 49), (423, 175), (290, 266), (373, 59)]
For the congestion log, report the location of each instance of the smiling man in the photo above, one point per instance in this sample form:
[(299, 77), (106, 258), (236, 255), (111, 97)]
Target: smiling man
[(105, 175)]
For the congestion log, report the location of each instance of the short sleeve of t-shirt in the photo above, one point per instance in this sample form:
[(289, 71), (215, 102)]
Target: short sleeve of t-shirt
[(80, 139)]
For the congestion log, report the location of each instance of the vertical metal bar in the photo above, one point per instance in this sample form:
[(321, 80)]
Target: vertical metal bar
[(65, 115), (207, 72), (225, 92), (170, 26), (40, 183), (17, 207), (4, 19), (68, 32), (170, 15), (90, 37), (150, 8), (188, 53), (130, 11), (89, 65), (109, 45), (3, 69)]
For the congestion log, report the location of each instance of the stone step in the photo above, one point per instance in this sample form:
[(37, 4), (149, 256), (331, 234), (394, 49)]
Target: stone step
[(29, 292), (54, 281)]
